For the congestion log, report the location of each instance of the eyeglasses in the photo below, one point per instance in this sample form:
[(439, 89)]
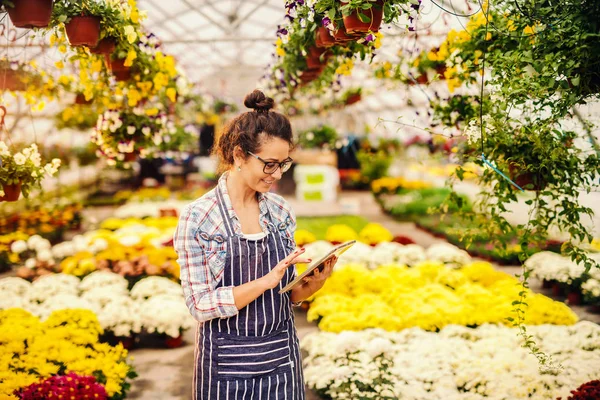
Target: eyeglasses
[(271, 166)]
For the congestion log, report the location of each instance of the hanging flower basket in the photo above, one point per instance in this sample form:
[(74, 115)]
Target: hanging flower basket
[(30, 13), (526, 180), (340, 36), (324, 38), (104, 46), (422, 79), (12, 80), (11, 192), (83, 31), (353, 98), (80, 99), (441, 70), (119, 70), (354, 25), (313, 59)]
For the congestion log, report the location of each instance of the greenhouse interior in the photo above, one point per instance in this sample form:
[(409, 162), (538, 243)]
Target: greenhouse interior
[(300, 199)]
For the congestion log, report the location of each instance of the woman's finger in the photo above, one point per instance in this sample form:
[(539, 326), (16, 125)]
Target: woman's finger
[(290, 259)]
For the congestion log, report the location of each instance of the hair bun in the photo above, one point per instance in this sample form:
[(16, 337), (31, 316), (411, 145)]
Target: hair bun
[(258, 101)]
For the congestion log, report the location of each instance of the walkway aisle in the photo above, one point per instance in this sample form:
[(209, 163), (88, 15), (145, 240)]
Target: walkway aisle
[(167, 374)]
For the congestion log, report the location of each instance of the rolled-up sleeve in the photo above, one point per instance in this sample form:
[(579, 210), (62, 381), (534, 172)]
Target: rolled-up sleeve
[(204, 300)]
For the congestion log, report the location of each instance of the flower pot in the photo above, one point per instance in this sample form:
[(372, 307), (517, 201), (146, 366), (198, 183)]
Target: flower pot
[(313, 59), (172, 343), (440, 70), (168, 212), (546, 284), (324, 38), (83, 31), (30, 13), (526, 180), (119, 70), (80, 99), (340, 36), (353, 98), (354, 25), (11, 192), (422, 79), (130, 157), (574, 298), (557, 289), (104, 46), (12, 80)]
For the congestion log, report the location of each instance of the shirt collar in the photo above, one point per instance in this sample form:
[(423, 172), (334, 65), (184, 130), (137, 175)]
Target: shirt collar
[(262, 205)]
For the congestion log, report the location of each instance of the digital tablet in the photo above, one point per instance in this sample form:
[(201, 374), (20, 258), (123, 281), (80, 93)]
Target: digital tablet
[(336, 251)]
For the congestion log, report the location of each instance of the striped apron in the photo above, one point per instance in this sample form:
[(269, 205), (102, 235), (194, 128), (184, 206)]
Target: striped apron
[(254, 354)]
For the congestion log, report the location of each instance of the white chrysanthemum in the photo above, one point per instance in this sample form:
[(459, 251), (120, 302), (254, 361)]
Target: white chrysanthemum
[(14, 287), (155, 286), (165, 314)]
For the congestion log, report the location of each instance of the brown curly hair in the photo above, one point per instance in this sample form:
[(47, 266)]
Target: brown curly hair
[(246, 129)]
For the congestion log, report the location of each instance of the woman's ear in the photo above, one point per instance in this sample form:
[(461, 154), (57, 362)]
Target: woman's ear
[(238, 156)]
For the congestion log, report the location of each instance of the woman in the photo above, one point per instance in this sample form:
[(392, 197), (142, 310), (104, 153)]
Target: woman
[(236, 250)]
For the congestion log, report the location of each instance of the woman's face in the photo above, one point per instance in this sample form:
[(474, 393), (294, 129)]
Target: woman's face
[(273, 150)]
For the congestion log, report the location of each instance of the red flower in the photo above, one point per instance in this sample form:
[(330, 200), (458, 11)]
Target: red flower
[(587, 391), (64, 386)]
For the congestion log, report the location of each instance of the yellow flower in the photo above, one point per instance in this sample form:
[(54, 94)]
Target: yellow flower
[(172, 94), (131, 55), (59, 64), (340, 233), (130, 33), (62, 48), (133, 97), (345, 68), (151, 112), (279, 49), (510, 25), (378, 39), (302, 237)]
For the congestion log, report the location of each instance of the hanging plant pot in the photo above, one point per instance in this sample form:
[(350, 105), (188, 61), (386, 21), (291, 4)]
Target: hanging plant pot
[(353, 98), (104, 46), (354, 25), (83, 31), (340, 36), (441, 69), (130, 157), (422, 79), (526, 180), (11, 192), (119, 70), (173, 343), (12, 80), (30, 13), (80, 99), (324, 38), (313, 59)]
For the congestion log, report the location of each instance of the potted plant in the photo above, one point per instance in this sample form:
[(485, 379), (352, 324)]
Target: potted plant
[(20, 172), (362, 16), (17, 76), (29, 13), (587, 391), (124, 134), (352, 96), (321, 136), (85, 20)]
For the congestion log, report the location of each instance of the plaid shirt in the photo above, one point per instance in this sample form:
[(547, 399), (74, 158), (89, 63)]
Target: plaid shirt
[(200, 242)]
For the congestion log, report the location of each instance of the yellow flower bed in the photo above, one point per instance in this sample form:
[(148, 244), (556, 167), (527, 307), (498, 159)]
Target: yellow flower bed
[(31, 350), (374, 234), (391, 185), (340, 233), (303, 236), (429, 296), (162, 223)]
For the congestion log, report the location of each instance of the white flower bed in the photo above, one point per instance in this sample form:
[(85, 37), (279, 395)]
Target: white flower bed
[(155, 304), (458, 363), (392, 253), (148, 209)]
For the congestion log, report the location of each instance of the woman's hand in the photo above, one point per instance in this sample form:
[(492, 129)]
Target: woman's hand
[(316, 280), (272, 279)]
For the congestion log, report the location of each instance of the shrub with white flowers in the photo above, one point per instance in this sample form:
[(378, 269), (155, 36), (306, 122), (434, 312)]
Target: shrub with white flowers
[(24, 168)]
